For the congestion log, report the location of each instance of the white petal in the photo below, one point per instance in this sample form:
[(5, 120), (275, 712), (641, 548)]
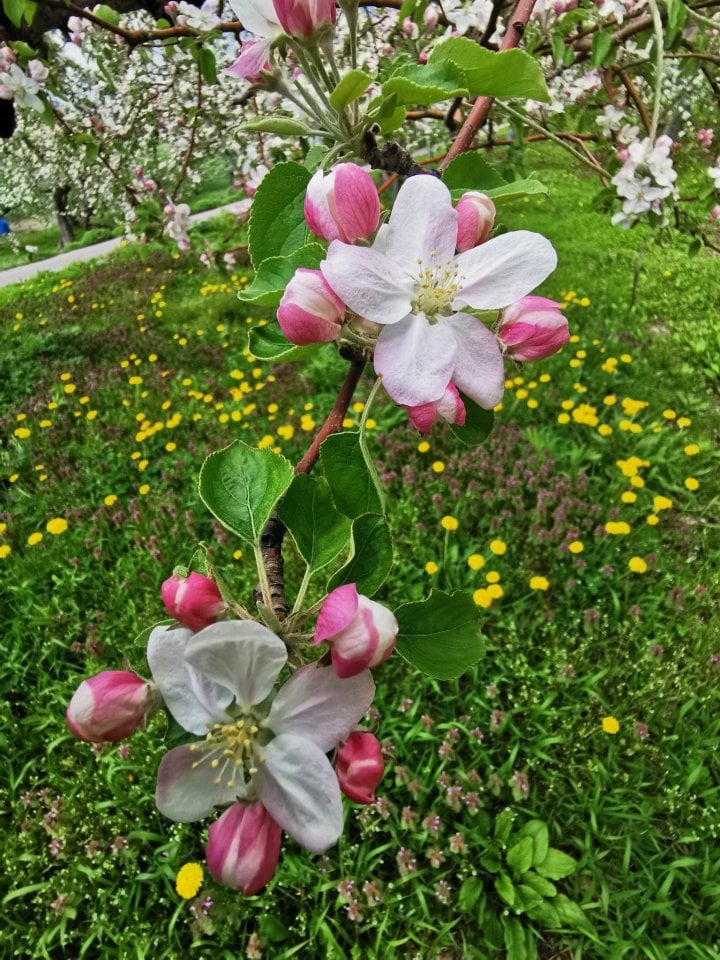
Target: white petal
[(316, 704), (257, 16), (416, 359), (299, 789), (504, 269), (479, 369), (192, 703), (368, 282), (185, 792), (423, 221), (241, 655)]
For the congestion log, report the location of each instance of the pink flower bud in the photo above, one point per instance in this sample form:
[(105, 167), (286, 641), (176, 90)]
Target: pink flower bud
[(310, 310), (195, 600), (149, 185), (301, 18), (243, 847), (449, 408), (110, 706), (475, 219), (361, 633), (360, 767), (343, 204), (138, 171), (533, 328), (431, 16)]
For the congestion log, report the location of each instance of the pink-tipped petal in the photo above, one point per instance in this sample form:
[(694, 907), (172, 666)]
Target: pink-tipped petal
[(243, 848), (356, 201), (479, 371), (360, 767), (416, 359), (338, 609), (504, 269), (185, 789)]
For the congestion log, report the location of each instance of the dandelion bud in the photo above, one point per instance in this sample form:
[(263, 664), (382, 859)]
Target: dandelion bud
[(301, 18), (361, 632), (449, 408), (360, 767), (243, 847), (110, 706), (475, 219), (343, 204), (533, 328), (310, 310), (195, 600)]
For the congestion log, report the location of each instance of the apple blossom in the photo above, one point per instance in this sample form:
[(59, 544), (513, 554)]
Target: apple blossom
[(412, 283), (475, 219), (360, 766), (343, 204), (194, 601), (243, 847), (261, 19), (533, 328), (310, 311), (218, 684), (301, 18), (361, 632), (449, 408), (110, 706)]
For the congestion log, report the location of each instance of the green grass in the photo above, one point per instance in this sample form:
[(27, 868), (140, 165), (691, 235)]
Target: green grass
[(520, 731)]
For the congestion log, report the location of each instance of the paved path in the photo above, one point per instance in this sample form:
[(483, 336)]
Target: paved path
[(62, 260)]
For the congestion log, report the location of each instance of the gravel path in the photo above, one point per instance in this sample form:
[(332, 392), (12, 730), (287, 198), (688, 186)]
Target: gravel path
[(62, 260)]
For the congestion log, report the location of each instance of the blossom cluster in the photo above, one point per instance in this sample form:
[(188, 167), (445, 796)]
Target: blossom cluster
[(646, 178), (261, 752), (21, 85), (412, 292)]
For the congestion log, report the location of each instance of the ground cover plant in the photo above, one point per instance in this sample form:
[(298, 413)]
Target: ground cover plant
[(583, 529)]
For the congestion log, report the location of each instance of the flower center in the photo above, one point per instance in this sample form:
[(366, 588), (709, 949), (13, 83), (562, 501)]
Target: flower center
[(229, 748), (436, 287)]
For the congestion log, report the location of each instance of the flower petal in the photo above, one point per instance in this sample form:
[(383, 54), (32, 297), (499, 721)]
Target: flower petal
[(299, 789), (367, 282), (504, 269), (317, 705), (479, 369), (241, 655), (423, 222), (192, 703), (416, 359), (257, 16), (185, 789), (338, 609)]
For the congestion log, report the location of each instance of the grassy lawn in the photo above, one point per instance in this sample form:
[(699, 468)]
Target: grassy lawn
[(116, 382)]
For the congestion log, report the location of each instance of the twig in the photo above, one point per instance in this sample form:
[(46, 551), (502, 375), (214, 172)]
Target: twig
[(636, 99), (193, 134)]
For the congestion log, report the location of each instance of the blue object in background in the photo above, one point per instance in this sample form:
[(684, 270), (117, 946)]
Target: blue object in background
[(4, 227)]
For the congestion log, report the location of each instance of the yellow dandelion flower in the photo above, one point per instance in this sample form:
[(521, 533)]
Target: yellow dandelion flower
[(628, 496), (492, 576), (498, 547), (691, 450), (110, 500), (5, 551), (653, 519), (482, 598), (189, 880), (449, 523), (637, 565), (684, 421), (438, 466), (22, 433), (661, 503), (563, 418), (237, 555), (495, 591), (34, 538), (144, 490), (431, 568), (617, 528), (669, 414), (69, 388), (692, 483), (423, 446), (56, 526), (577, 546), (610, 725), (475, 561), (605, 430), (539, 583)]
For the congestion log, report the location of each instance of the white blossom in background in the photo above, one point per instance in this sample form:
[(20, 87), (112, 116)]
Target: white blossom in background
[(202, 19), (646, 178), (610, 120), (714, 174), (22, 87)]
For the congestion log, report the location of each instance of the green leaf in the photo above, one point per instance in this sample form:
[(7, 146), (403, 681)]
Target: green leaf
[(15, 10), (282, 126), (371, 557), (315, 156), (503, 825), (471, 171), (416, 84), (23, 51), (319, 530), (351, 474), (470, 891), (512, 73), (520, 856), (571, 914), (240, 486), (274, 274), (478, 424), (546, 914), (505, 889), (277, 223), (386, 113), (440, 635), (107, 14), (270, 343), (514, 939), (516, 190), (538, 831), (556, 865), (351, 87), (208, 65), (558, 47), (601, 44), (539, 884), (526, 897), (272, 929)]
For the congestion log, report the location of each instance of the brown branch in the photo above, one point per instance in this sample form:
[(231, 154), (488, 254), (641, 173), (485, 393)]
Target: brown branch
[(517, 22), (334, 420), (193, 135), (635, 97), (392, 158)]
